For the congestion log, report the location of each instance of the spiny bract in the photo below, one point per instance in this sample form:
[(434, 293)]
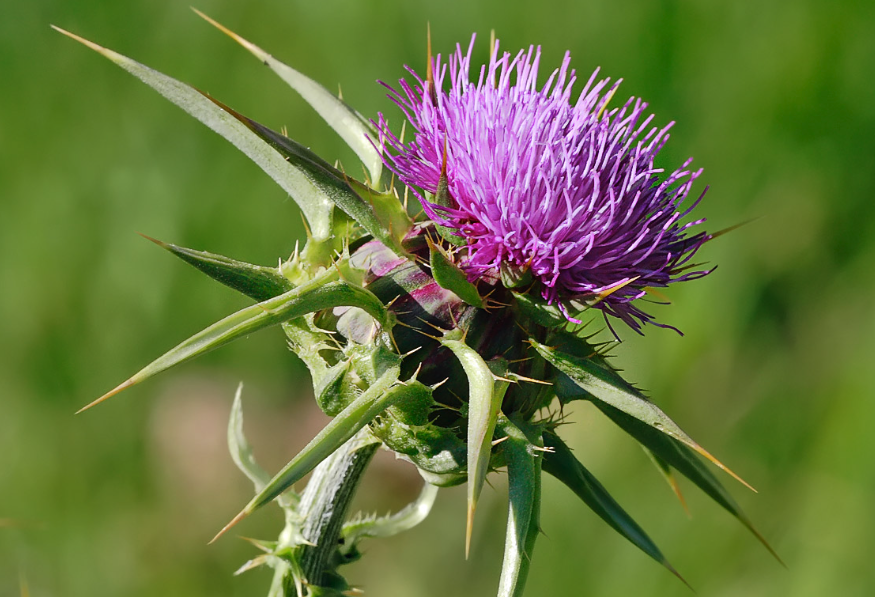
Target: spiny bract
[(448, 337)]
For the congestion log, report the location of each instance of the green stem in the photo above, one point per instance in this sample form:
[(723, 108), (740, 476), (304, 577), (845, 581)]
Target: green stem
[(324, 505)]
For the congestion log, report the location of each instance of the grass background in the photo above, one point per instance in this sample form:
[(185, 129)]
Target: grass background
[(775, 99)]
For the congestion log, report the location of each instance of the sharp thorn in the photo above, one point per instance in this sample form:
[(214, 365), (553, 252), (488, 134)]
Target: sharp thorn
[(469, 528), (108, 395), (410, 352), (722, 466), (161, 244), (258, 52), (243, 514), (81, 40), (429, 71), (531, 380)]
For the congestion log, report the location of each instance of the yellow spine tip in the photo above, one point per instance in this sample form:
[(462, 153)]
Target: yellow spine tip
[(108, 395), (255, 50), (81, 40), (243, 514), (154, 240), (469, 528), (722, 466)]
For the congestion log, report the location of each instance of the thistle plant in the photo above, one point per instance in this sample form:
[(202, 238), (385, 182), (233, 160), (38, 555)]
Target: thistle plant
[(454, 337)]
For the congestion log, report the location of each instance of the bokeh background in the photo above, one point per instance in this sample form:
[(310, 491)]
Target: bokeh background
[(775, 99)]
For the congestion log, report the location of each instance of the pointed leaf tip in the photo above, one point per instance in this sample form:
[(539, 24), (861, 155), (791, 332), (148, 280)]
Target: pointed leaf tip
[(450, 277), (82, 40), (256, 51), (722, 467), (562, 464), (485, 393), (313, 202), (665, 470), (469, 527), (160, 243), (108, 395), (604, 385), (243, 514), (353, 128), (682, 459)]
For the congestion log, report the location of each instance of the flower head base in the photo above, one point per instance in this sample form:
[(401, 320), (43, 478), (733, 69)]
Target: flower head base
[(569, 190)]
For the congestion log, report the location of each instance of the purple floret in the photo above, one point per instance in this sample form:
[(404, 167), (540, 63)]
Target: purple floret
[(569, 190)]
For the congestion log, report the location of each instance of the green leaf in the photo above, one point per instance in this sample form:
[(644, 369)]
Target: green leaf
[(450, 277), (561, 463), (524, 503), (683, 460), (539, 311), (392, 524), (332, 183), (485, 393), (308, 342), (343, 427), (515, 276), (241, 452), (332, 389), (255, 281), (312, 200), (353, 128), (323, 292), (605, 385)]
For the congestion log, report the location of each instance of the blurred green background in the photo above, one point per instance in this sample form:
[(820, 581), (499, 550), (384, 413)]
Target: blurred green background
[(775, 99)]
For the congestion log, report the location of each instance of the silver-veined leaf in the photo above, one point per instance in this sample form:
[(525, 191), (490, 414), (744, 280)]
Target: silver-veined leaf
[(386, 226), (313, 202), (682, 459), (524, 504), (485, 394), (323, 292), (353, 128), (343, 427), (605, 385), (255, 281)]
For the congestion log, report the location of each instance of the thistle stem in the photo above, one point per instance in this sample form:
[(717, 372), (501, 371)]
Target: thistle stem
[(324, 505)]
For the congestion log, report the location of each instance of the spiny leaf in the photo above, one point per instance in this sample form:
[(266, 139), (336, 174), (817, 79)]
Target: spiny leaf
[(344, 426), (264, 559), (241, 451), (682, 459), (323, 292), (539, 311), (450, 277), (354, 128), (255, 281), (485, 394), (605, 385), (388, 526), (312, 201), (333, 390), (562, 464), (330, 181), (524, 502)]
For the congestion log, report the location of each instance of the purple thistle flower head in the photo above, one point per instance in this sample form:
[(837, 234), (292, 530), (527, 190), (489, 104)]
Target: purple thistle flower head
[(567, 188)]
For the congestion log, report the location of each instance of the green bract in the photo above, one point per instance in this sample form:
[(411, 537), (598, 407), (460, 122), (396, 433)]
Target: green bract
[(456, 375)]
